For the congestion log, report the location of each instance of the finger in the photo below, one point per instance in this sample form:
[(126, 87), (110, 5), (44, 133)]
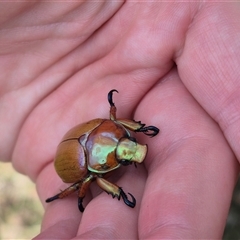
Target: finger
[(63, 28), (209, 66), (63, 229), (191, 169), (62, 217)]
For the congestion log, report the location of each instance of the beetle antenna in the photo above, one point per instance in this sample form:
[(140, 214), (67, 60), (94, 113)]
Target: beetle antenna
[(110, 96)]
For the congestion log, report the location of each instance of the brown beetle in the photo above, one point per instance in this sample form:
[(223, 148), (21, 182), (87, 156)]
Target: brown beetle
[(90, 150)]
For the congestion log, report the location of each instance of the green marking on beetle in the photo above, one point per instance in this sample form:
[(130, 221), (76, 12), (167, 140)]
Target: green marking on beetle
[(99, 153)]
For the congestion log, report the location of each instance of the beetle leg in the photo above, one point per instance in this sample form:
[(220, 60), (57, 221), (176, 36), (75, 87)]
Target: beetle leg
[(74, 187), (115, 191), (139, 127), (82, 191), (108, 187), (131, 124), (113, 109)]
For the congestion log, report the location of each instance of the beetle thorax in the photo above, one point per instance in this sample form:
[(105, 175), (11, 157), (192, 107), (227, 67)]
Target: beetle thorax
[(101, 146)]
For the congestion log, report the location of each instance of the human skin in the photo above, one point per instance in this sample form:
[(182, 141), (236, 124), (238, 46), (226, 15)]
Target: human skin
[(176, 67)]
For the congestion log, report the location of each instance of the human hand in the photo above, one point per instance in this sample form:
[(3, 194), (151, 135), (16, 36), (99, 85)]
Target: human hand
[(58, 74)]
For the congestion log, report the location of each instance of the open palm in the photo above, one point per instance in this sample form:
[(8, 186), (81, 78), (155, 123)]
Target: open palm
[(176, 67)]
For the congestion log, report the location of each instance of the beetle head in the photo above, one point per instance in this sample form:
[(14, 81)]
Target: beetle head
[(129, 151)]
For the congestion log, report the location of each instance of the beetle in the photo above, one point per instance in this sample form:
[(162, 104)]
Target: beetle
[(90, 150)]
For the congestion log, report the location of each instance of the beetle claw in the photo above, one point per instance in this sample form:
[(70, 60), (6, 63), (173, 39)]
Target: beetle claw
[(80, 206), (153, 131), (125, 199), (110, 94), (52, 198)]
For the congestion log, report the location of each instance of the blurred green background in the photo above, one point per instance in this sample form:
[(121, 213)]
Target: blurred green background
[(21, 210)]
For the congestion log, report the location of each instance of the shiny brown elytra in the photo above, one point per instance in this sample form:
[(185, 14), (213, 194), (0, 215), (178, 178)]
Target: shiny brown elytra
[(90, 150)]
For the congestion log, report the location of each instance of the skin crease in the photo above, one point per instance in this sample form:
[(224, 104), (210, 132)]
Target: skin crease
[(175, 65)]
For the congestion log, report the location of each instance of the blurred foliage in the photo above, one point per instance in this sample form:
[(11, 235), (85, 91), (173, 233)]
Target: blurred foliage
[(232, 229), (21, 211)]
